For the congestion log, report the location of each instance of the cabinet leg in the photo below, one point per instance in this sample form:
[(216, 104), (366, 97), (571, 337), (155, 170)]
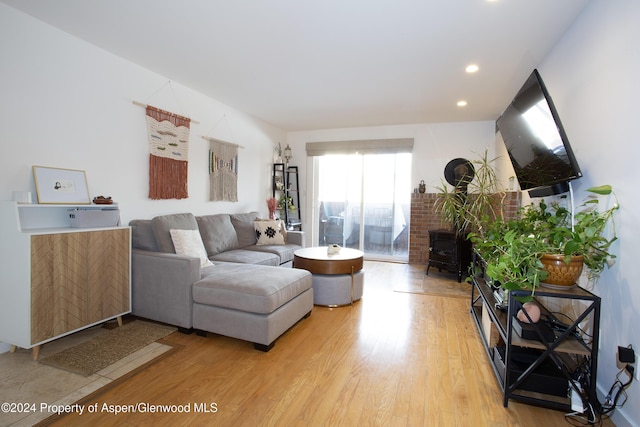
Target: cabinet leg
[(35, 352), (13, 348), (119, 318)]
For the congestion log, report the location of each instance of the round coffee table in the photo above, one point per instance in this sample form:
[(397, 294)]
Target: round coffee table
[(337, 278)]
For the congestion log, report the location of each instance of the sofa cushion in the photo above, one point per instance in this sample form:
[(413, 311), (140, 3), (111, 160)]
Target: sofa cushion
[(245, 256), (189, 243), (269, 232), (162, 224), (284, 252), (142, 235), (251, 288), (243, 223), (217, 233)]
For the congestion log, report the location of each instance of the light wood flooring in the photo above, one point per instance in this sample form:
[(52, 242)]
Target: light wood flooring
[(391, 359)]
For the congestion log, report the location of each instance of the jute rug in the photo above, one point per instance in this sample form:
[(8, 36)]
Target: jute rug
[(436, 284), (90, 357)]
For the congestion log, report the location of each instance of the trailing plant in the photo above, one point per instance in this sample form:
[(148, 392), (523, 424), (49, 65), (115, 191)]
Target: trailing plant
[(286, 203), (585, 234), (511, 255), (512, 250)]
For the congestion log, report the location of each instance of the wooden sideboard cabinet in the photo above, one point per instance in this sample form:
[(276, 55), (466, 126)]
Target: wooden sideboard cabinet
[(56, 279)]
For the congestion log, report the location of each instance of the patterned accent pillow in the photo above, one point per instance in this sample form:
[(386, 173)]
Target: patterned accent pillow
[(189, 243), (269, 232)]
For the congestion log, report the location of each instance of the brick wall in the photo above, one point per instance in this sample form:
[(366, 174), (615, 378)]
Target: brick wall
[(425, 218)]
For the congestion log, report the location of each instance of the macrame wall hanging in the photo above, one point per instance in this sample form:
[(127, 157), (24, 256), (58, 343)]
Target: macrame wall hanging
[(223, 170), (168, 154)]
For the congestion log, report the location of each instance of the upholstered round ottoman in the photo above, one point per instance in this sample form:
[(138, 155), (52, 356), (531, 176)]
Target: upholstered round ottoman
[(334, 290), (337, 278)]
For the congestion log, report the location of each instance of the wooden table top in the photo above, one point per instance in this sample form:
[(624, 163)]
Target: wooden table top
[(317, 260)]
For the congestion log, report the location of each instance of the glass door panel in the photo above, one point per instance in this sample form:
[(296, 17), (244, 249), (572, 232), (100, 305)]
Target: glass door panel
[(364, 203)]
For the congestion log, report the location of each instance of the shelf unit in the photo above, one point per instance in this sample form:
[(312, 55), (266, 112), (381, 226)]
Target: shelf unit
[(285, 185), (59, 279), (567, 350)]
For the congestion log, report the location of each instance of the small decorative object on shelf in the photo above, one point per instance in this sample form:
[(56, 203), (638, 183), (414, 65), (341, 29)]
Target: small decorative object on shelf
[(272, 205), (277, 153), (422, 187), (102, 200), (532, 314), (61, 186)]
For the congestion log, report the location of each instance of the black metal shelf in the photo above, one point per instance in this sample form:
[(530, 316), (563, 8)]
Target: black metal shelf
[(285, 185), (565, 351)]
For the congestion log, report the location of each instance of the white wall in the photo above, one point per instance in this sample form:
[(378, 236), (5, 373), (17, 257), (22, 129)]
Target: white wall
[(65, 103), (592, 75), (434, 146)]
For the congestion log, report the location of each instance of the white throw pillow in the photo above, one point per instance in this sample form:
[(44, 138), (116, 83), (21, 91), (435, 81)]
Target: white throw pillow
[(269, 232), (189, 243)]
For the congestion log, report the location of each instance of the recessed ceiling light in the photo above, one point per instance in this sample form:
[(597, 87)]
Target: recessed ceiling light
[(462, 103), (472, 68)]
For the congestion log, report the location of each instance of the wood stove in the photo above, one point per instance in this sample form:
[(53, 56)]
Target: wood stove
[(449, 252)]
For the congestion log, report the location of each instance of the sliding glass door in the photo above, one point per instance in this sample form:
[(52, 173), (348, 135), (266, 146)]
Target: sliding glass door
[(364, 202)]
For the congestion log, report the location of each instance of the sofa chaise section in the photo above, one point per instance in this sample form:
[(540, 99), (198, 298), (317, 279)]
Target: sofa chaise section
[(233, 296), (251, 302)]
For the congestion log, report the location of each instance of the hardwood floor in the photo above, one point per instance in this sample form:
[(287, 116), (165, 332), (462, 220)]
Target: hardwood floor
[(392, 359)]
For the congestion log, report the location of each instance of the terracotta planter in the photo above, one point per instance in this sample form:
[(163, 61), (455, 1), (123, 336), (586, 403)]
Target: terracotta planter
[(560, 273)]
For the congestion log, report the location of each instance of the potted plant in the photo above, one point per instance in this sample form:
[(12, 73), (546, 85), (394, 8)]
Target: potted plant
[(510, 255), (286, 203), (472, 204), (515, 252), (573, 241)]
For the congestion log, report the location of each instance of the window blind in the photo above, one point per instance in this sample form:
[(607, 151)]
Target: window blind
[(364, 146)]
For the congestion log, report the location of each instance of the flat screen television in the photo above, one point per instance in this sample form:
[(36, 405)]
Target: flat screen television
[(536, 141)]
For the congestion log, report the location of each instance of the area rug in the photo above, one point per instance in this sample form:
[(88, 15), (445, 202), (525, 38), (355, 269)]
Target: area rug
[(90, 357), (436, 284)]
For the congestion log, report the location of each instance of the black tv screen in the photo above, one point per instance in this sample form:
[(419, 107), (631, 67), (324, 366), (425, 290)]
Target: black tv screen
[(536, 141)]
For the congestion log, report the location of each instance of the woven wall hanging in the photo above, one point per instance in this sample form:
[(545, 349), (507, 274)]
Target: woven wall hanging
[(168, 154), (223, 171)]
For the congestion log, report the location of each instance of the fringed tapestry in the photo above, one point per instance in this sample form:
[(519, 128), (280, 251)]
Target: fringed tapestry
[(223, 171), (168, 154)]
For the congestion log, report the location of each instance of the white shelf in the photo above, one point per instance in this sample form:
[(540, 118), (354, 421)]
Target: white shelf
[(46, 218)]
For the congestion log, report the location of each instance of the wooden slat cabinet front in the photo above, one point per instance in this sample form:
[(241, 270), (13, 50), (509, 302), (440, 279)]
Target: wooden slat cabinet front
[(58, 279), (77, 279)]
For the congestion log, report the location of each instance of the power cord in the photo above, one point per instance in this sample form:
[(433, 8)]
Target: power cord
[(617, 391), (615, 398)]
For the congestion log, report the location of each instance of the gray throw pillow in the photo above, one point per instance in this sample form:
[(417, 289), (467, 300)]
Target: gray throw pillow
[(243, 223), (217, 233)]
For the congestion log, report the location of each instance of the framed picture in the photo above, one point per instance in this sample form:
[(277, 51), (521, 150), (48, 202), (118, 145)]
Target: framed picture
[(61, 186)]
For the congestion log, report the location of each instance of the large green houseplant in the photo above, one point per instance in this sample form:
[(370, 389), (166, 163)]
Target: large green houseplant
[(586, 234), (510, 256), (469, 205), (513, 250)]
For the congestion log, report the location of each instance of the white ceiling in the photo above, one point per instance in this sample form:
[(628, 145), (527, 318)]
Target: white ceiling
[(315, 64)]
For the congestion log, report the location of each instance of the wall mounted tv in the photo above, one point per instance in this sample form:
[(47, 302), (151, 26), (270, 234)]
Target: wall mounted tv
[(536, 141)]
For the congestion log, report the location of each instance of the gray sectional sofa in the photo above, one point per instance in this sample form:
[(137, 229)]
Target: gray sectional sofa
[(250, 291)]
